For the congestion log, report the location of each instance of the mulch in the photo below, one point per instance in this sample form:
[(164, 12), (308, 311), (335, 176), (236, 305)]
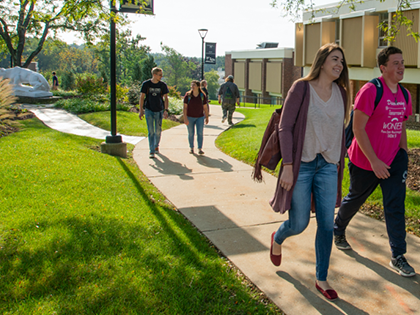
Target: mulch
[(413, 178)]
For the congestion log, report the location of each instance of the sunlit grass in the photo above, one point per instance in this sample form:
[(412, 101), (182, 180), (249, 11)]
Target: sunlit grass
[(86, 233)]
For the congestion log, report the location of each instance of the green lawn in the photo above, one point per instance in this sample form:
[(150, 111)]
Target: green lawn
[(128, 123), (86, 233), (243, 141)]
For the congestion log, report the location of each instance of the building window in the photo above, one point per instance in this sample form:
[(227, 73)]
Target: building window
[(337, 32), (383, 22)]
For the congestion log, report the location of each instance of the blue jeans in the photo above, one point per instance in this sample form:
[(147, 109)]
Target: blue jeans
[(362, 185), (154, 128), (199, 123), (319, 178)]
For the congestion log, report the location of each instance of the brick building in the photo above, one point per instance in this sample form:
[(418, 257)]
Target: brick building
[(262, 75)]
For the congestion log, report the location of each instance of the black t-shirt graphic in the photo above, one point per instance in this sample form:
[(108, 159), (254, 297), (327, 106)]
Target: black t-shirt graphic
[(154, 95)]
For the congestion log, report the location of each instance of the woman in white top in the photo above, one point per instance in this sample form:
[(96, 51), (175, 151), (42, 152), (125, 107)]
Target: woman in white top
[(323, 95)]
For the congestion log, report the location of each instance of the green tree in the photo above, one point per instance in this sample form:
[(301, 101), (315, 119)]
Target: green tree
[(78, 59), (175, 68), (130, 54), (213, 86), (49, 58), (146, 69), (22, 19)]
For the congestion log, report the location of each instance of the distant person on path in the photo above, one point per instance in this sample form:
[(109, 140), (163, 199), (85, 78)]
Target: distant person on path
[(154, 104), (55, 81), (378, 156), (195, 115), (228, 97), (311, 135), (203, 87)]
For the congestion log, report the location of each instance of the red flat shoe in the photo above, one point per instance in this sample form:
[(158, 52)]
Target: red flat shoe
[(275, 259), (329, 294)]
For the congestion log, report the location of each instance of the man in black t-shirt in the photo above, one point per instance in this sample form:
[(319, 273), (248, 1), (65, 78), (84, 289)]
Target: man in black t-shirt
[(154, 105)]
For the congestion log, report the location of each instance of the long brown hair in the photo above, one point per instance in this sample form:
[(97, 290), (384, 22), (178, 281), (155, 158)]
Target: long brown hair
[(343, 80), (199, 88)]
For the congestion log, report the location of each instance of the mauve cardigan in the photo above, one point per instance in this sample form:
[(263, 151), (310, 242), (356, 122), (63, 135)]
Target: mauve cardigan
[(292, 129)]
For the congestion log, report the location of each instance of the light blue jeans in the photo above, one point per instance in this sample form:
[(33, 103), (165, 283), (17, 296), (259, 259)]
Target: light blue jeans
[(154, 128), (319, 178), (198, 122)]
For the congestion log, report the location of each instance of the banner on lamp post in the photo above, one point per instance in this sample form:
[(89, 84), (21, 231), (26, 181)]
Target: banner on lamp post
[(136, 6), (210, 54)]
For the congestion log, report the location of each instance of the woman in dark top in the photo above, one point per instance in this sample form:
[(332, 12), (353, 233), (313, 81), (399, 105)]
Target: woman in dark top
[(195, 114)]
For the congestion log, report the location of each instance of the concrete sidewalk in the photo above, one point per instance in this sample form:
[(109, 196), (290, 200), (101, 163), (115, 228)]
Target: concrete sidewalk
[(63, 121), (216, 193)]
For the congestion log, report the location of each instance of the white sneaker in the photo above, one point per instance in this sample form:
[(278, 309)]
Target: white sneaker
[(152, 155)]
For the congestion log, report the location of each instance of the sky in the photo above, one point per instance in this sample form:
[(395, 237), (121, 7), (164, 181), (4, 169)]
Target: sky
[(231, 24)]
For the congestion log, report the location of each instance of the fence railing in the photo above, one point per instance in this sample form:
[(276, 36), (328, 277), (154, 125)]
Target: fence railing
[(257, 100)]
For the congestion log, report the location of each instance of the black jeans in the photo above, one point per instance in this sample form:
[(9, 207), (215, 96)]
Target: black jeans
[(362, 185)]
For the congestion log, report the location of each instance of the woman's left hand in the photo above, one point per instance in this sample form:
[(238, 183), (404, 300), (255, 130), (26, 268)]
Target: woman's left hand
[(207, 120)]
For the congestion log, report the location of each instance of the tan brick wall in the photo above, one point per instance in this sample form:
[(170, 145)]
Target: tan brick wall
[(290, 74)]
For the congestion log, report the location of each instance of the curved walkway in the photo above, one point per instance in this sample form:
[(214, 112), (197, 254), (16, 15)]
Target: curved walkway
[(63, 121), (216, 193)]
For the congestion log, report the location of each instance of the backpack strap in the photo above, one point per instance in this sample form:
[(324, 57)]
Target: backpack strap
[(379, 90), (202, 98), (405, 92)]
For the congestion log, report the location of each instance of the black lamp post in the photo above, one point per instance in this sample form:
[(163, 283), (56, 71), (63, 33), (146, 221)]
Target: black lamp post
[(203, 33), (113, 138)]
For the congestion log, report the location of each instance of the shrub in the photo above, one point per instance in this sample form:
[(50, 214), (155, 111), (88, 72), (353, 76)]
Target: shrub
[(87, 105), (173, 92), (134, 93), (122, 94), (90, 84), (68, 81), (6, 94), (7, 100), (175, 106), (62, 93)]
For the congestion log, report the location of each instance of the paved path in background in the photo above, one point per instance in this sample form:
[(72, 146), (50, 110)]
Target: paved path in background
[(216, 193), (63, 121)]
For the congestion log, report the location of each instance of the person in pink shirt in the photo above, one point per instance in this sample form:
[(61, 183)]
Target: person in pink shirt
[(378, 156)]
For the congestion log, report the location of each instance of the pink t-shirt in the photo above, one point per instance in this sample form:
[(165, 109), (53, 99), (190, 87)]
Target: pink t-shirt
[(384, 126)]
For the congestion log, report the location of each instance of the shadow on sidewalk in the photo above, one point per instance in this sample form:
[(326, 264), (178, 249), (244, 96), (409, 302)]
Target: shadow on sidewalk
[(165, 166), (214, 127), (214, 163), (318, 302), (408, 284)]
